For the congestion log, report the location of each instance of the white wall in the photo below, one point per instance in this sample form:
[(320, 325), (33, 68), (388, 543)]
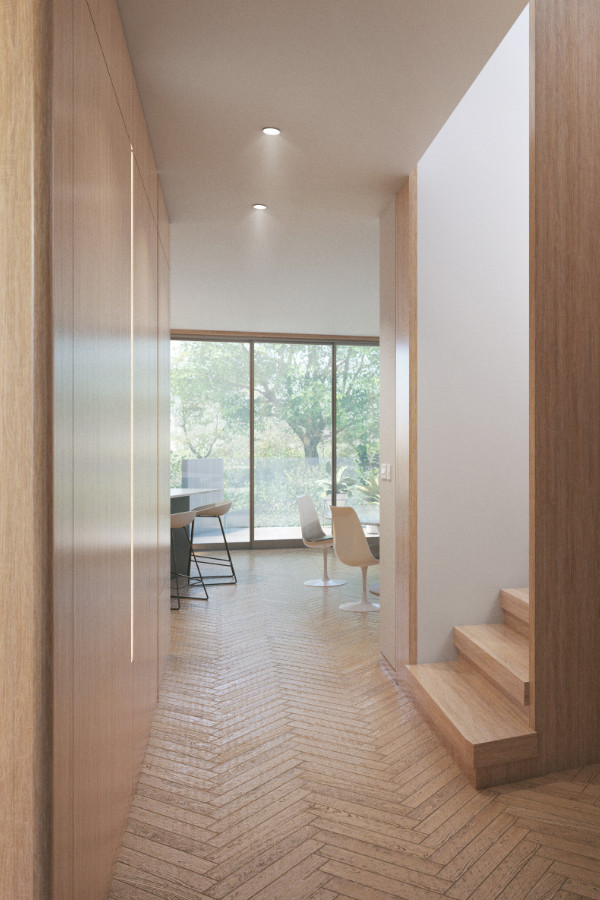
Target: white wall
[(473, 353), (318, 277)]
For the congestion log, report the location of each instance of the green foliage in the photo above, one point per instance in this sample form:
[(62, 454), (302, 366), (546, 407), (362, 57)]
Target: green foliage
[(357, 413), (292, 385), (210, 416), (344, 479), (368, 491), (210, 401)]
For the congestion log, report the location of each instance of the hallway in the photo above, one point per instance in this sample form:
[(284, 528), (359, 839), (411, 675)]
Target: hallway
[(284, 762)]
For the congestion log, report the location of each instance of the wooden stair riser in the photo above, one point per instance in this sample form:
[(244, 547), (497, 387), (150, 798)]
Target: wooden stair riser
[(516, 624), (485, 738), (520, 705), (515, 605), (494, 669)]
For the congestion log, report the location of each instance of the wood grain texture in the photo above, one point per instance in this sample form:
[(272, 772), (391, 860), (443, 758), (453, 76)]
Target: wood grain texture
[(500, 653), (143, 153), (164, 229), (286, 761), (406, 423), (144, 462), (483, 726), (63, 566), (25, 448), (102, 702), (102, 771), (515, 607), (109, 31), (565, 381), (163, 560)]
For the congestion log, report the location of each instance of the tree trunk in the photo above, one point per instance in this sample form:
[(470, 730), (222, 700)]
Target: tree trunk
[(310, 443)]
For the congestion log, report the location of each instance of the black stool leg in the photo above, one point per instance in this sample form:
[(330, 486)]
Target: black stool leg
[(176, 575), (227, 549), (192, 554)]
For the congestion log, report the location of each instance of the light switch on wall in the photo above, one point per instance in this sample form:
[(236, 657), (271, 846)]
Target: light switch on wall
[(385, 472)]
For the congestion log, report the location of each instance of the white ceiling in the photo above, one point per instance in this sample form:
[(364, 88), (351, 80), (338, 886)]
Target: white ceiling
[(359, 88)]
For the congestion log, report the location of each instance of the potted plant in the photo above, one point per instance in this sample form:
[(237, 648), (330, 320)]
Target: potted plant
[(368, 489), (344, 483)]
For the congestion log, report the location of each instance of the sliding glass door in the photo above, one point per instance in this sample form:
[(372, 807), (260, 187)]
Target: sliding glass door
[(210, 430), (312, 428), (292, 433)]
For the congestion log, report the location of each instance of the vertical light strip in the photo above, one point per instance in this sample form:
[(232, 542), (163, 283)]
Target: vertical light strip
[(131, 412)]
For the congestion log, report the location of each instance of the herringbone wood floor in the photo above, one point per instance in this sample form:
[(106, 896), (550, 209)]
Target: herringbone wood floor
[(284, 762)]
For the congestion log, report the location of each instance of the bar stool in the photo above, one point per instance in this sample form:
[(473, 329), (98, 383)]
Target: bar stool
[(216, 511), (183, 520)]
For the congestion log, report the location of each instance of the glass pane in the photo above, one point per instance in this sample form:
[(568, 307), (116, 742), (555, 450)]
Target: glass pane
[(292, 434), (357, 430), (210, 430)]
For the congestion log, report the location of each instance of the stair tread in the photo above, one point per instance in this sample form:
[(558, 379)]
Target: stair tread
[(521, 593), (509, 648), (479, 711)]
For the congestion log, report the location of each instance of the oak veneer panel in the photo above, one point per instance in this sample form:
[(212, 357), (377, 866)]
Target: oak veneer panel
[(565, 380), (102, 770), (25, 448), (109, 30), (62, 310), (145, 493), (164, 229), (405, 476), (163, 463), (142, 150)]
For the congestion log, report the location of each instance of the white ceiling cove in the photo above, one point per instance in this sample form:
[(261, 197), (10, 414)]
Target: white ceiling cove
[(358, 89)]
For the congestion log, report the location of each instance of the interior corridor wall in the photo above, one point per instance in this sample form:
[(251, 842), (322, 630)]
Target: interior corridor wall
[(473, 350), (110, 315)]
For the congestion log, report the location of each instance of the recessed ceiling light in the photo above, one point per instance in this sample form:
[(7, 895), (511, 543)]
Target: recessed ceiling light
[(259, 206), (271, 131)]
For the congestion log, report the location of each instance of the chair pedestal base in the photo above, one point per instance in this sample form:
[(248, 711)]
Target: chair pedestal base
[(331, 582), (362, 606)]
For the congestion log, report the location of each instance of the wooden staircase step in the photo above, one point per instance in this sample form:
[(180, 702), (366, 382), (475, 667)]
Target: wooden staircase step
[(515, 604), (482, 727), (500, 653)]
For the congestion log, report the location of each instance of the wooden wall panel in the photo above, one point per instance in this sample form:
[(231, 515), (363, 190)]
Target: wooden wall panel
[(145, 494), (102, 701), (565, 381), (102, 773), (163, 224), (62, 289), (25, 448), (163, 463), (143, 153), (399, 425), (406, 423), (107, 23)]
